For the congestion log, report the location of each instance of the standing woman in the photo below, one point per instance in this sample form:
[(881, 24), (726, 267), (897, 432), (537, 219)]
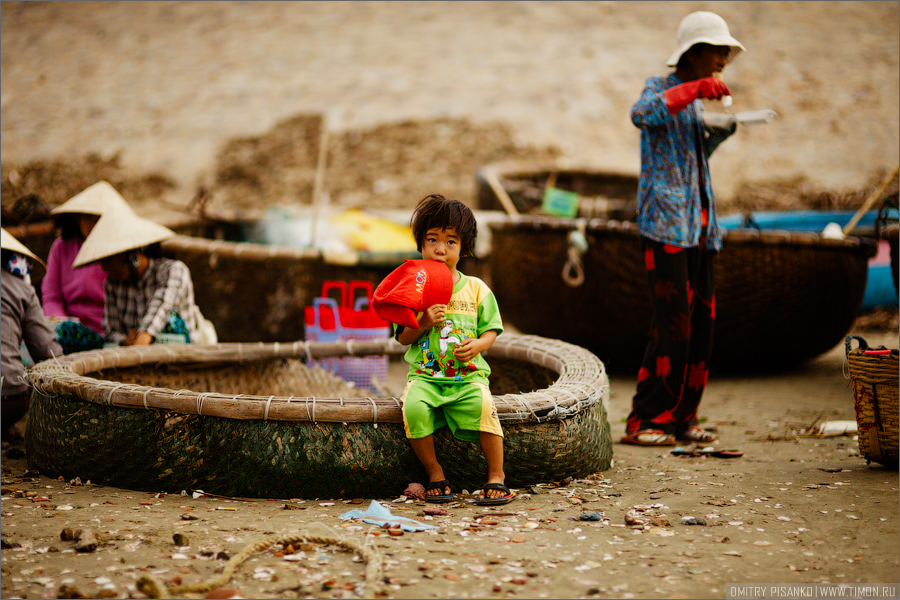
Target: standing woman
[(75, 296), (21, 321), (679, 232), (146, 294)]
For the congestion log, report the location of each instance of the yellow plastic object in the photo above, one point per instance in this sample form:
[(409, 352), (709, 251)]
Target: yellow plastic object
[(366, 232)]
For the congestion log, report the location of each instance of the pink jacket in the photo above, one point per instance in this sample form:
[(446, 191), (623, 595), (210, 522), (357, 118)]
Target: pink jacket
[(68, 292)]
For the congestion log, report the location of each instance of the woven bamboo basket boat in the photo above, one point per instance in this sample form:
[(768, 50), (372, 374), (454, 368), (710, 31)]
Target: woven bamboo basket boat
[(256, 292), (781, 297), (123, 417), (875, 376)]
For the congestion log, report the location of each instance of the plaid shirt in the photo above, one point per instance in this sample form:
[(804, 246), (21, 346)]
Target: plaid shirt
[(165, 286), (674, 169)]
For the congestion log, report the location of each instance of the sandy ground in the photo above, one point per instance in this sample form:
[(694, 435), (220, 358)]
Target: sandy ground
[(793, 509), (166, 86)]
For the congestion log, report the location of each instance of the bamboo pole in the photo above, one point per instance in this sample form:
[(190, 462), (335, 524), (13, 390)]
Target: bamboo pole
[(319, 181), (500, 192), (870, 201)]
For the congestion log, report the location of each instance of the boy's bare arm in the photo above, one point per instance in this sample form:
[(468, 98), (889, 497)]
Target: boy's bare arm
[(468, 349), (435, 314)]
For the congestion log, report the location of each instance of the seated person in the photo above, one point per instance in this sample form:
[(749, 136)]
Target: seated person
[(146, 294), (75, 296), (22, 321)]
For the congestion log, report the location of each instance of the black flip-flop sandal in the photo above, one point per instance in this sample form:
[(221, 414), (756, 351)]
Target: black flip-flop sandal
[(486, 501), (439, 498), (718, 453)]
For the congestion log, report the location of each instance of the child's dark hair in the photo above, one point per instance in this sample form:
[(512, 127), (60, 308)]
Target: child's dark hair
[(437, 211)]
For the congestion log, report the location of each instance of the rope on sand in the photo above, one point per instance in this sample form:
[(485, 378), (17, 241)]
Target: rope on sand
[(154, 589)]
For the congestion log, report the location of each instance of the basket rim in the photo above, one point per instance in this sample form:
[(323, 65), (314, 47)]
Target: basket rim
[(769, 237), (244, 250), (582, 381)]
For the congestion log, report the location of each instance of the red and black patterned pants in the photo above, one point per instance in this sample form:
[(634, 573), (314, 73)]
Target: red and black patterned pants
[(675, 367)]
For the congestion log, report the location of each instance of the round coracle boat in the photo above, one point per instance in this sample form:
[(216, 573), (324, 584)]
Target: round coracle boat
[(781, 297), (257, 292), (251, 420)]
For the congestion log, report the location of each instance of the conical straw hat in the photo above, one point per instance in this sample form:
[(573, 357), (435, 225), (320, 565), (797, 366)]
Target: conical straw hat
[(94, 200), (119, 231), (9, 242)]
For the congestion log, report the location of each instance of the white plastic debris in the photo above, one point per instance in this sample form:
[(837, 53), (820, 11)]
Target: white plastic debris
[(829, 428), (833, 231)]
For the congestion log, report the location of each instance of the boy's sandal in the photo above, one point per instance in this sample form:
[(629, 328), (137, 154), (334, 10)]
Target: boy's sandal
[(649, 437), (438, 498), (696, 434), (486, 500)]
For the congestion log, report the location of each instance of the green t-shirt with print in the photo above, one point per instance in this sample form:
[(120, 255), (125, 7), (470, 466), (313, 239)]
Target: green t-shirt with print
[(472, 310)]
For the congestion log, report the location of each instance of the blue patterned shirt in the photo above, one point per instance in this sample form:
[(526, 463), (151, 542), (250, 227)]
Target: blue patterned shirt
[(673, 171)]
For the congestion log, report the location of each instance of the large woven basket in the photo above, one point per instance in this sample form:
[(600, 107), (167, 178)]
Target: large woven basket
[(875, 374), (257, 292), (771, 286), (119, 417)]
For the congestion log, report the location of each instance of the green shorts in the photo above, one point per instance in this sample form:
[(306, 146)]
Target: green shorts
[(466, 408)]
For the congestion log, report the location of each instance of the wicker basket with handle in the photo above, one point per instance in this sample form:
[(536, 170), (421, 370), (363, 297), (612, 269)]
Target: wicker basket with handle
[(874, 373)]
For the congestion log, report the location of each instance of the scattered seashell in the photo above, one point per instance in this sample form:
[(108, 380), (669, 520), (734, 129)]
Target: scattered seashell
[(415, 491), (85, 540)]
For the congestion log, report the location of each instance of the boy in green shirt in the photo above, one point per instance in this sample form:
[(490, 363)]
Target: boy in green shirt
[(448, 378)]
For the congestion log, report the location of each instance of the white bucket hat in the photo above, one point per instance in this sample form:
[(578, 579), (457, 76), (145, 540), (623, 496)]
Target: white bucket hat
[(95, 200), (703, 27), (9, 242), (119, 231)]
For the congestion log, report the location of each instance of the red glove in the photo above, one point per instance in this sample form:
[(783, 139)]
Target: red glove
[(678, 97)]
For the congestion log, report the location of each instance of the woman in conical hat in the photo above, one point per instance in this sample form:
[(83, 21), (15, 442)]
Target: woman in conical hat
[(146, 295), (75, 296), (9, 242), (22, 321)]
